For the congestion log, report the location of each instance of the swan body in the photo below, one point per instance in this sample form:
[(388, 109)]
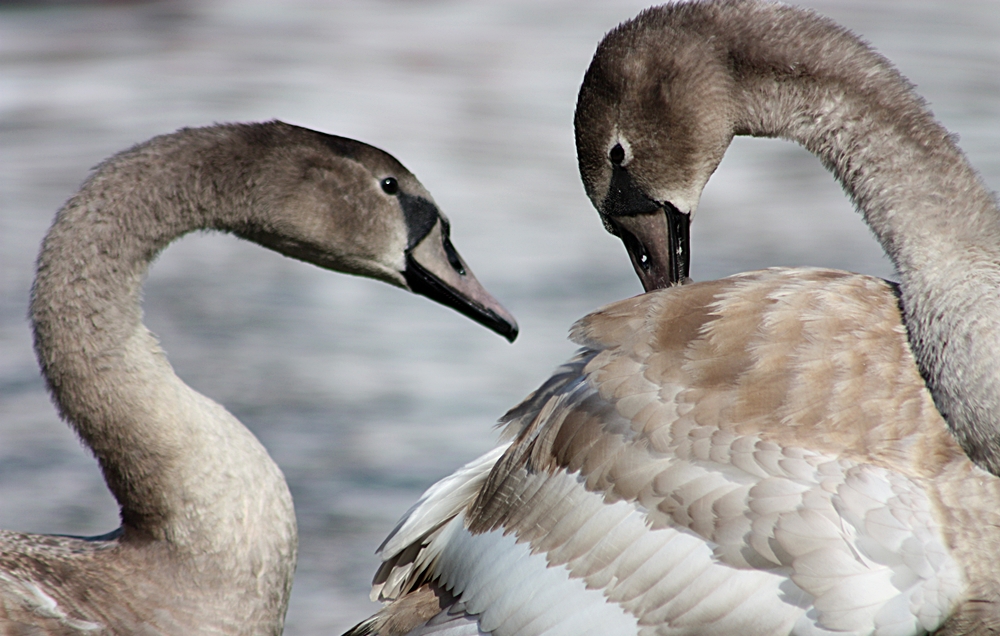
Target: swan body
[(208, 536), (788, 451)]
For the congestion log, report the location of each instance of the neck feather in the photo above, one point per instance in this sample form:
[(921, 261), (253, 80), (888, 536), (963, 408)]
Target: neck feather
[(803, 78), (181, 467)]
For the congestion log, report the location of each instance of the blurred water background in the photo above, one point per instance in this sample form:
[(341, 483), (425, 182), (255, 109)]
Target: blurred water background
[(362, 393)]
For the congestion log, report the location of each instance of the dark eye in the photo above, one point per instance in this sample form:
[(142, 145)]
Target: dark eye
[(390, 185), (617, 155)]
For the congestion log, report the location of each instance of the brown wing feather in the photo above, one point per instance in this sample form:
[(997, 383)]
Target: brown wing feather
[(735, 375), (814, 359), (59, 586), (754, 412)]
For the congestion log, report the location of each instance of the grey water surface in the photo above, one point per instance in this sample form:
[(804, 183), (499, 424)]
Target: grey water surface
[(362, 393)]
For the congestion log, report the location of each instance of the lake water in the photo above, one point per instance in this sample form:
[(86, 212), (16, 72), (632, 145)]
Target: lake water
[(362, 393)]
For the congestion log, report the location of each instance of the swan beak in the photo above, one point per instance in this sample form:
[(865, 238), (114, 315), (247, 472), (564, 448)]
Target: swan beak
[(658, 244), (435, 269), (656, 234)]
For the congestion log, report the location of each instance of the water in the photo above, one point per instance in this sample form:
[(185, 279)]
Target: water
[(362, 393)]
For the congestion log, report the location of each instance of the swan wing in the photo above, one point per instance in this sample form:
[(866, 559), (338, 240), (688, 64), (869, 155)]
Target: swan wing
[(743, 456)]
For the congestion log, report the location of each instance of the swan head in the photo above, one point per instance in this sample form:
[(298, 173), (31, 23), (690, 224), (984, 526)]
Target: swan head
[(651, 127), (347, 206)]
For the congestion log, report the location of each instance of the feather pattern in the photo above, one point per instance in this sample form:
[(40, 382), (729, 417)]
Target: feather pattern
[(718, 517)]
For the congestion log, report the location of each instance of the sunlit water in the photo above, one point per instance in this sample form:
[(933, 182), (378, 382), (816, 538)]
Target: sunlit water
[(362, 393)]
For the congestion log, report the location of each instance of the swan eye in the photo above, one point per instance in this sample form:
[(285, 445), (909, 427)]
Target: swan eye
[(617, 155), (390, 185)]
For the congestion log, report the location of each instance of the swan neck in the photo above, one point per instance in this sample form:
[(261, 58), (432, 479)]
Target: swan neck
[(854, 111), (181, 467), (800, 77)]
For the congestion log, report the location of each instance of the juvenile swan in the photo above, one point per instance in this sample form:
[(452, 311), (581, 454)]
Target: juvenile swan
[(779, 452), (208, 537)]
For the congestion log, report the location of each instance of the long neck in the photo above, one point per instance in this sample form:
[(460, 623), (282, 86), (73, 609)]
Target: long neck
[(182, 468), (804, 79)]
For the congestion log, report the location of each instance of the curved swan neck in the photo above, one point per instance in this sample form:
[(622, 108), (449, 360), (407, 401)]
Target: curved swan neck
[(801, 77), (786, 72), (674, 85), (180, 466)]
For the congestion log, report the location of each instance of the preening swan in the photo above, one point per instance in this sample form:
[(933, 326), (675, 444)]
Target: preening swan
[(208, 536), (789, 451)]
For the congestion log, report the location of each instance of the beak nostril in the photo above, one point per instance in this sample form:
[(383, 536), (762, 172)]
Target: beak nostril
[(453, 259), (636, 249), (449, 249), (643, 257)]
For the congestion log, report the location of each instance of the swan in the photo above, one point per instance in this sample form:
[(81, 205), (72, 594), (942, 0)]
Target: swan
[(786, 451), (208, 538)]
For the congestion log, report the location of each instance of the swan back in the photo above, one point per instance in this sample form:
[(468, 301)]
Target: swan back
[(701, 483)]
